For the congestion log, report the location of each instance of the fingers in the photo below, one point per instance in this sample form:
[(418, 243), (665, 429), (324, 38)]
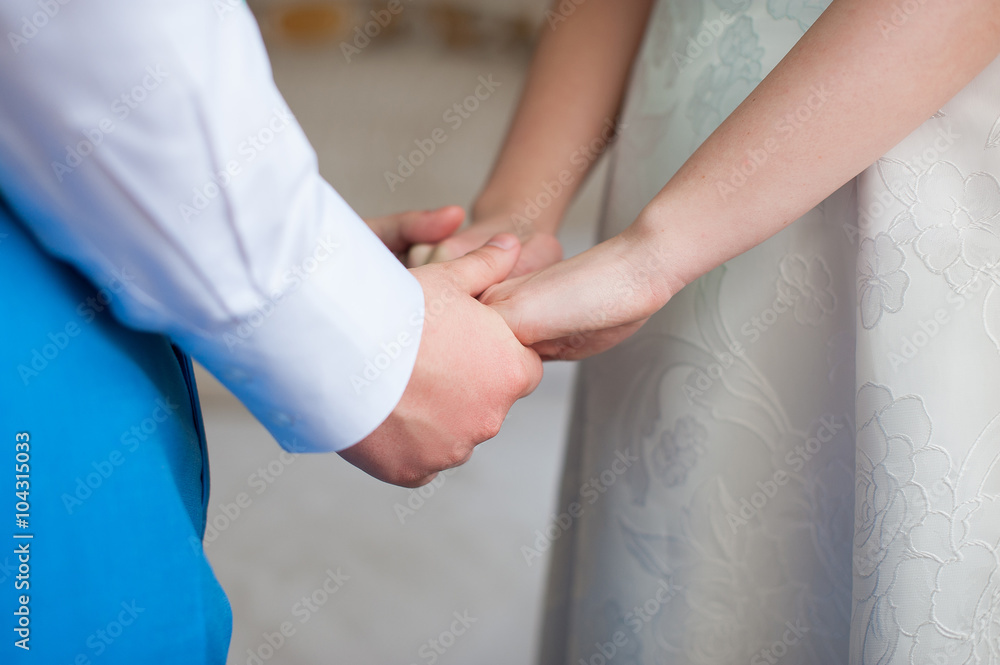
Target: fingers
[(451, 248), (441, 254), (486, 266), (503, 299), (419, 254), (398, 232), (585, 344), (537, 252), (541, 251)]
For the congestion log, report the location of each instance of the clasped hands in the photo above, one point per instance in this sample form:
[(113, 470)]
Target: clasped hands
[(508, 304)]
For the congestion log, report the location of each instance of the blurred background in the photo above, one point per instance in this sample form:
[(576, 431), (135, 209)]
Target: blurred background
[(432, 576)]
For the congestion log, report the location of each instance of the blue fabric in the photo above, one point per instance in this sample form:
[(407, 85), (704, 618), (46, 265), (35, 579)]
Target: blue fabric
[(118, 478)]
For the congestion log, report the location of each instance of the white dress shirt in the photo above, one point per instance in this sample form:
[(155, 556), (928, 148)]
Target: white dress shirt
[(146, 143)]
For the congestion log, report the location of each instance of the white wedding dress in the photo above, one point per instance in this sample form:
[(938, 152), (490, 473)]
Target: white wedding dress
[(816, 423)]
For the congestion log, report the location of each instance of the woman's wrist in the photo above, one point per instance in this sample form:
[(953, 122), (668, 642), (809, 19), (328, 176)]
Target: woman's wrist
[(527, 214), (656, 262)]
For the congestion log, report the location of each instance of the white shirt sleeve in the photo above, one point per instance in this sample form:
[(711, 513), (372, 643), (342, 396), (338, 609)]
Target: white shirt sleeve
[(146, 143)]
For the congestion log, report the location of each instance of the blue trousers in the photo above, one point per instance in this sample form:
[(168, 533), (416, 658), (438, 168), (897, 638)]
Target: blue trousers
[(103, 479)]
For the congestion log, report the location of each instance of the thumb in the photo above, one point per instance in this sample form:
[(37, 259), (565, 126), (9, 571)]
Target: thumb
[(482, 268)]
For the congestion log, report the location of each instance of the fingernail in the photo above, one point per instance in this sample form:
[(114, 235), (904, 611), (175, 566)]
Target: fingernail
[(504, 241)]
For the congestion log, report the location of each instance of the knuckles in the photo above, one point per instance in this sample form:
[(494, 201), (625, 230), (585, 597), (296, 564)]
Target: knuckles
[(521, 372), (490, 425), (456, 457), (436, 459)]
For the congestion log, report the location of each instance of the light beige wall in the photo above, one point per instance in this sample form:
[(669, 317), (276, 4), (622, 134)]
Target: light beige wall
[(532, 7), (505, 8)]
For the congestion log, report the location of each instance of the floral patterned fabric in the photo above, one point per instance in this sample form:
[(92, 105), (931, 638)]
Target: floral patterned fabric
[(817, 422)]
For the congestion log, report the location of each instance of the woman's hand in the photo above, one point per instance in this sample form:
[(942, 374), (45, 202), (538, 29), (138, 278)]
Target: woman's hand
[(587, 304), (401, 231), (539, 249)]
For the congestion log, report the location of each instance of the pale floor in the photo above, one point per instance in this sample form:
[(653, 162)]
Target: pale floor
[(460, 550)]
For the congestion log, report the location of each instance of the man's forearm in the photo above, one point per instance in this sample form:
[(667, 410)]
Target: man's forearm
[(571, 98), (846, 94)]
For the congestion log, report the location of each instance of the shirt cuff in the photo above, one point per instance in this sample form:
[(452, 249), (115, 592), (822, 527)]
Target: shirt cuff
[(325, 356)]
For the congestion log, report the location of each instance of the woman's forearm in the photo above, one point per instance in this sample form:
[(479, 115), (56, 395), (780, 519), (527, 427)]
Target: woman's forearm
[(570, 100), (848, 92), (844, 95)]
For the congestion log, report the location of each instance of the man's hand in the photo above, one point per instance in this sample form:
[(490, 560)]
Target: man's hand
[(470, 370), (403, 230), (538, 249)]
